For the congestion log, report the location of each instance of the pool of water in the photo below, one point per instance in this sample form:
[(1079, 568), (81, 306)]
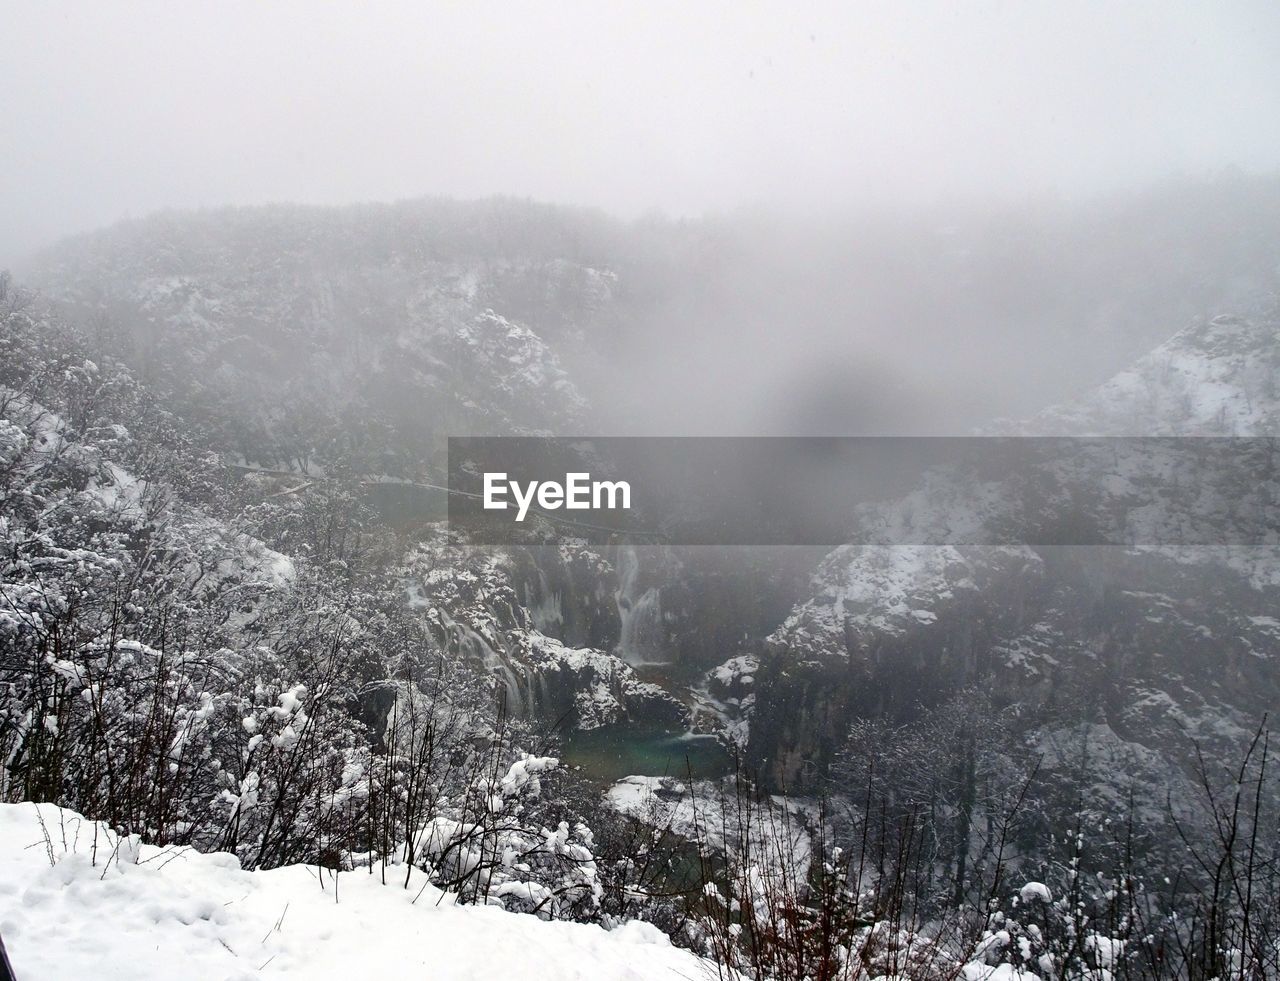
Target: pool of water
[(611, 754)]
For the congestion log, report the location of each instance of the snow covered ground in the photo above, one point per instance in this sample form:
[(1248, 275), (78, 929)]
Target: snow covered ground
[(76, 902)]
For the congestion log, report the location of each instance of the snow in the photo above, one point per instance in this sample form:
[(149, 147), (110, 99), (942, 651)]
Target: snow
[(975, 971), (524, 773), (1035, 892), (76, 902), (739, 670), (118, 490), (1210, 378), (704, 812), (607, 687), (896, 591)]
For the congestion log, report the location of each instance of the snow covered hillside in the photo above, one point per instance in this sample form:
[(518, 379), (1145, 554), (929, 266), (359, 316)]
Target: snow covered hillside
[(78, 902), (382, 329), (1149, 657), (1216, 377)]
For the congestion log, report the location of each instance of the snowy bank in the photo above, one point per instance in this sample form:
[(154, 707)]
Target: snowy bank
[(77, 902)]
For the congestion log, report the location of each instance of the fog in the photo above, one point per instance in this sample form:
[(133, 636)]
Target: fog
[(112, 110), (841, 218)]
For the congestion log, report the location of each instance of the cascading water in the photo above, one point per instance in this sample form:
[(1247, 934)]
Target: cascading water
[(546, 610), (515, 702), (639, 612), (469, 644)]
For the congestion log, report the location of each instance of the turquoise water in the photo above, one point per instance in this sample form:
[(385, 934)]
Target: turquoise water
[(610, 754)]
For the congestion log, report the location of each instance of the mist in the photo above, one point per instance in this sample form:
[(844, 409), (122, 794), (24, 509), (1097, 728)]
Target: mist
[(843, 219), (922, 360), (121, 109)]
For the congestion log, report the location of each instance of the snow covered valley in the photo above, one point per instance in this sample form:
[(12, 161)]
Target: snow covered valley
[(326, 736)]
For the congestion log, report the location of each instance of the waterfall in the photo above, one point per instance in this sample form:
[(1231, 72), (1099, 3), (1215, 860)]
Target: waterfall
[(546, 609), (639, 612), (470, 644), (514, 702)]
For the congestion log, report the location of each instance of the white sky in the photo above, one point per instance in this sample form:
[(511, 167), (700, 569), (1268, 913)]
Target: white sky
[(113, 109)]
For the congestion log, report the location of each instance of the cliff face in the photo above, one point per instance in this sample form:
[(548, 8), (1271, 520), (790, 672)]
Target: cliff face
[(480, 611), (1135, 652)]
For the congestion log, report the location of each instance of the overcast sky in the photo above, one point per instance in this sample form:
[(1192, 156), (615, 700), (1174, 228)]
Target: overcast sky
[(113, 109)]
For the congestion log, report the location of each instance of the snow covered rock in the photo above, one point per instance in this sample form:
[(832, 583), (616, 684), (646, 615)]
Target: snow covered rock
[(1218, 377)]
